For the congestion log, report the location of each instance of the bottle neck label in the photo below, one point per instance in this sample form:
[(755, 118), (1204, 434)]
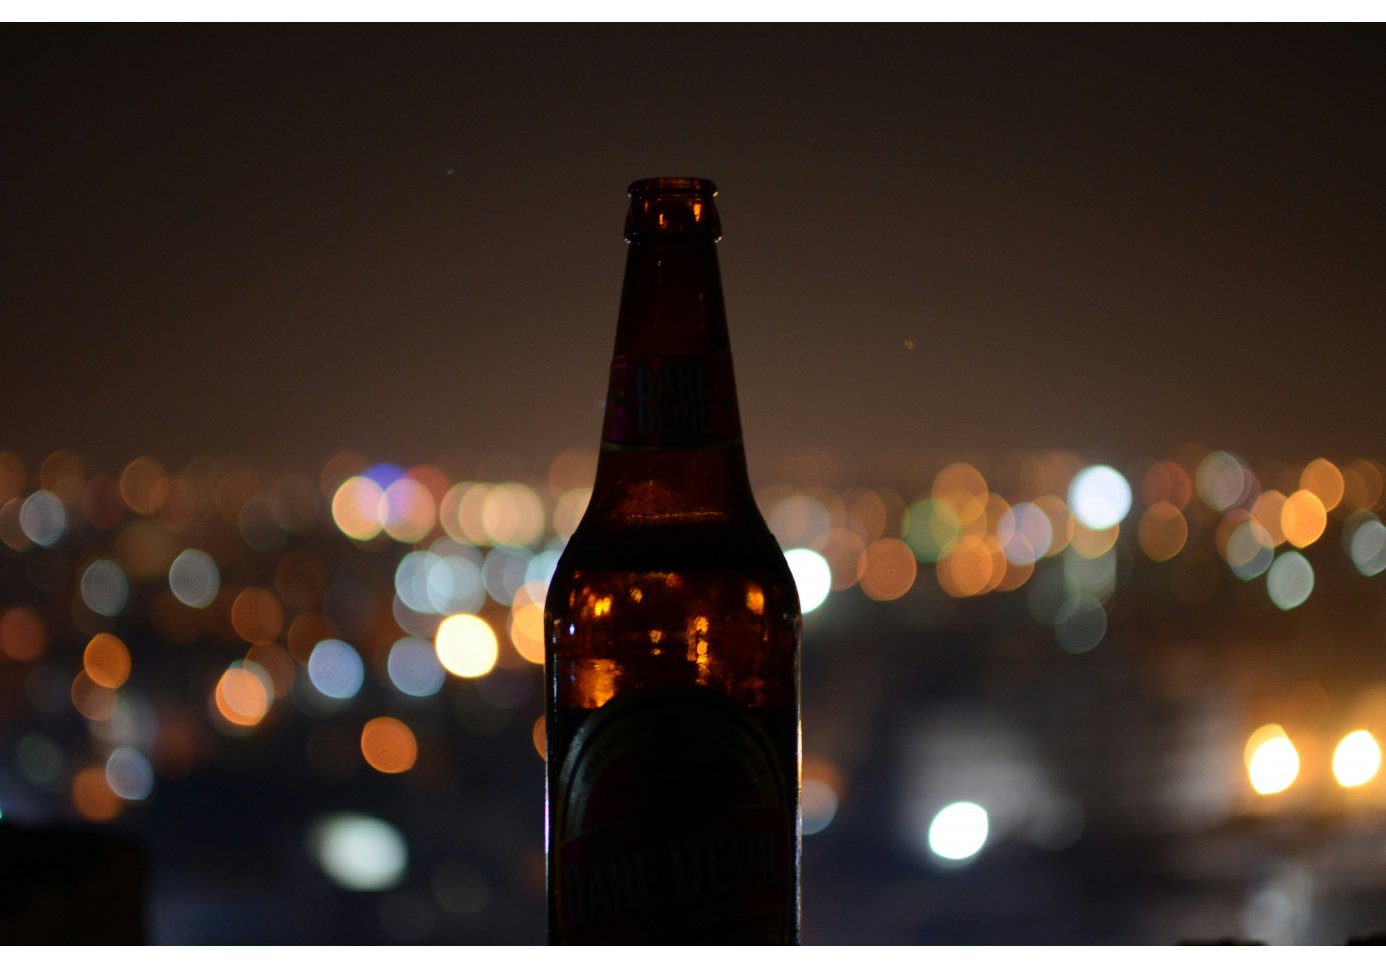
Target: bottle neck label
[(671, 400)]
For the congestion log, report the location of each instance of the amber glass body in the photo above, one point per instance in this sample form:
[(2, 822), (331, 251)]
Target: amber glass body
[(672, 580)]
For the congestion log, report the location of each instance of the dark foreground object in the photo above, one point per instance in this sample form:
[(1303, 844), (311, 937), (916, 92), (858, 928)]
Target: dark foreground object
[(70, 887)]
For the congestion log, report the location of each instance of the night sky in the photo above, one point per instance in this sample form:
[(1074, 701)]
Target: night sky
[(284, 242)]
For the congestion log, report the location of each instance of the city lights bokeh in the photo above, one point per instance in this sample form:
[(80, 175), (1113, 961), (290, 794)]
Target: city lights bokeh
[(1272, 762), (466, 646), (1356, 758), (812, 577), (360, 853), (958, 831), (166, 618)]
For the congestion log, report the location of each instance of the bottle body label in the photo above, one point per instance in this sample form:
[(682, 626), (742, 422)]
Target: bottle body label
[(676, 820), (671, 400)]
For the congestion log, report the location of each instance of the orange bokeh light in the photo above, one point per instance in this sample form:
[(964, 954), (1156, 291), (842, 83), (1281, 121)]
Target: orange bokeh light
[(277, 664), (144, 486), (890, 570), (958, 483), (974, 567), (1268, 512), (1163, 531), (1061, 520), (1094, 542), (845, 553), (106, 660), (866, 517), (63, 475), (1303, 518), (21, 635), (1167, 482), (12, 476), (257, 616), (1362, 485), (241, 696), (93, 701), (389, 745), (93, 797), (356, 508), (539, 734), (527, 630), (1322, 478), (1015, 575), (306, 631)]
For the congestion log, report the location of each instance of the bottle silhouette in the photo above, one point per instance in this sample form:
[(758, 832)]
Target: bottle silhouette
[(672, 633)]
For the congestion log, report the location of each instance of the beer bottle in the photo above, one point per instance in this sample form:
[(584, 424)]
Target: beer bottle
[(672, 633)]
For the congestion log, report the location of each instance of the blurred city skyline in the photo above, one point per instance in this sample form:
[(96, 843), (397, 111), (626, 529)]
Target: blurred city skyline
[(1059, 358), (315, 705), (290, 242)]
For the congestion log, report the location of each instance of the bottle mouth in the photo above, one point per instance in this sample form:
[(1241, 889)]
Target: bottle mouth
[(655, 187), (673, 208)]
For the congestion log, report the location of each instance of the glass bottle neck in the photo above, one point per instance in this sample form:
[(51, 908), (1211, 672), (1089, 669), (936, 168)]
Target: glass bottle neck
[(671, 440), (671, 301)]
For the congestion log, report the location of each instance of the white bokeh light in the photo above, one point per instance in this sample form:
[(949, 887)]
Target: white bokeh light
[(104, 587), (959, 830), (1273, 765), (1100, 497), (819, 802), (1025, 533), (466, 646), (812, 577), (360, 853), (1367, 546), (1290, 580), (42, 518), (335, 669), (129, 774), (1357, 758), (414, 668), (194, 579)]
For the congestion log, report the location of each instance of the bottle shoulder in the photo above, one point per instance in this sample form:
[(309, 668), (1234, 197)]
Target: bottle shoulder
[(701, 543), (635, 607)]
